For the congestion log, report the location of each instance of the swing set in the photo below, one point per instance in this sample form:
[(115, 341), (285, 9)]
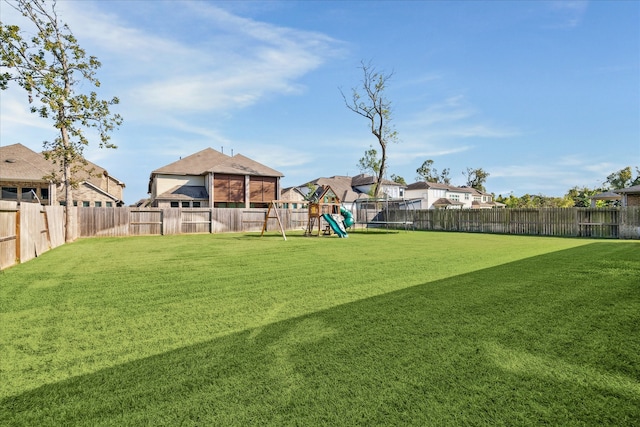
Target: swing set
[(325, 212)]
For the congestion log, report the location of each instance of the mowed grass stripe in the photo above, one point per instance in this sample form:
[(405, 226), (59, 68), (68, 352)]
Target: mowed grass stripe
[(375, 329)]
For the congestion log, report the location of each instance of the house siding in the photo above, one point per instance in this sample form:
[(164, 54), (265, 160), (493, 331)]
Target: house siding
[(164, 183)]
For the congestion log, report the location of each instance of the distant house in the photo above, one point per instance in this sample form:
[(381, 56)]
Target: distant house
[(435, 195), (364, 183), (210, 178), (482, 200), (292, 195), (351, 189), (26, 176), (630, 195)]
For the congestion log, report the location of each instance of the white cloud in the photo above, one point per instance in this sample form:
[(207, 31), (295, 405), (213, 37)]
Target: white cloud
[(236, 63), (570, 12), (451, 126)]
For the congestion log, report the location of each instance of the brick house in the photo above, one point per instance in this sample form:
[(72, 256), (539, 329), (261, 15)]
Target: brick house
[(26, 176)]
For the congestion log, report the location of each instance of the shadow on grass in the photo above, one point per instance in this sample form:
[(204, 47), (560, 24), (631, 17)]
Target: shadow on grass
[(546, 340)]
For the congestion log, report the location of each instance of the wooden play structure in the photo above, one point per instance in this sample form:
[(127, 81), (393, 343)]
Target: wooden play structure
[(323, 215)]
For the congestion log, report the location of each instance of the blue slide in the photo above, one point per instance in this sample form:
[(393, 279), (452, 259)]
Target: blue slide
[(335, 226)]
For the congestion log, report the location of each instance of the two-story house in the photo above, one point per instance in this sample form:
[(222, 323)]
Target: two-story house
[(210, 178), (435, 195)]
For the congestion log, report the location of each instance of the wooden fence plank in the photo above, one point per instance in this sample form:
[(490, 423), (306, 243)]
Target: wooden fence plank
[(8, 233)]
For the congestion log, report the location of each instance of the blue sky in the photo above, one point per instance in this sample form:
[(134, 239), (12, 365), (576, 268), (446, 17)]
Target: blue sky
[(543, 95)]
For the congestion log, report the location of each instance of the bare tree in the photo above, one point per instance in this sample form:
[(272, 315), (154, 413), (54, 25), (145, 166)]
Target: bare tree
[(370, 102), (47, 64)]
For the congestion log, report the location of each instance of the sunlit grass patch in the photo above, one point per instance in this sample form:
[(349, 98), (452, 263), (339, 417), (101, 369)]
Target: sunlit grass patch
[(381, 328)]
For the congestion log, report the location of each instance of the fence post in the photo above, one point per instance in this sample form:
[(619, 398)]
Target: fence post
[(18, 230)]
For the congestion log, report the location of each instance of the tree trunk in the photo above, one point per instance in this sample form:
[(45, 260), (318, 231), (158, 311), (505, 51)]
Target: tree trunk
[(68, 191)]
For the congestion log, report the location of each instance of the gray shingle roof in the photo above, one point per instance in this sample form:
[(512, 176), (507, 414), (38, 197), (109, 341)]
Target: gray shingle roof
[(210, 160), (241, 165), (446, 202), (608, 195), (633, 189), (364, 179), (195, 164), (19, 163)]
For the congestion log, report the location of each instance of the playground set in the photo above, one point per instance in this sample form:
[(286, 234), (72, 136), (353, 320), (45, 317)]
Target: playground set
[(327, 211)]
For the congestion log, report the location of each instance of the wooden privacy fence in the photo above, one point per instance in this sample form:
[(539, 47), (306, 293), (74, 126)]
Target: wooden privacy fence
[(28, 231), (93, 222), (615, 223)]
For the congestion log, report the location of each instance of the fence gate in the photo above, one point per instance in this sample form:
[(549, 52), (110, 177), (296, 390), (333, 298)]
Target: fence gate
[(145, 222)]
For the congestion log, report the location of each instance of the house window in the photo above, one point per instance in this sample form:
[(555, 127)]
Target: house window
[(75, 203), (228, 189), (109, 204), (44, 193), (196, 204), (175, 204), (98, 204), (27, 193), (455, 197), (185, 204), (86, 204), (10, 193), (262, 190), (466, 197)]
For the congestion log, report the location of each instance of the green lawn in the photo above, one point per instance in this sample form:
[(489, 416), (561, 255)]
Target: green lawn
[(408, 328)]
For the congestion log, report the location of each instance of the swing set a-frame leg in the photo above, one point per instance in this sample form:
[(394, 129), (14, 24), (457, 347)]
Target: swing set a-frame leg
[(273, 205)]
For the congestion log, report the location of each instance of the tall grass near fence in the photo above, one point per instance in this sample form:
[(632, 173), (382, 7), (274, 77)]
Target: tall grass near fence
[(377, 329)]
